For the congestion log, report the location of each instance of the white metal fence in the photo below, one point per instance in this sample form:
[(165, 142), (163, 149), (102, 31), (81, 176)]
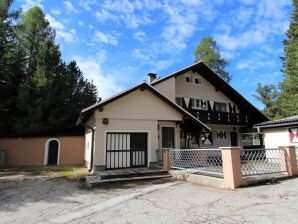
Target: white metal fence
[(263, 161), (202, 161)]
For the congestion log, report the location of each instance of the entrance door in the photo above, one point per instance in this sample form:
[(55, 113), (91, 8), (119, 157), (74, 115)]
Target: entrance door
[(234, 138), (53, 152), (138, 148), (168, 137), (126, 150)]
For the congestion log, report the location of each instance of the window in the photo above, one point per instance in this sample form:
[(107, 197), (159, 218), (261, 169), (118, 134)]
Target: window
[(193, 102), (220, 107), (179, 101), (188, 79), (197, 81), (198, 103), (249, 139)]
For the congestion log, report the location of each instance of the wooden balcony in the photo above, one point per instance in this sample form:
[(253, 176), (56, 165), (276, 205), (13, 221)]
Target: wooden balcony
[(212, 117)]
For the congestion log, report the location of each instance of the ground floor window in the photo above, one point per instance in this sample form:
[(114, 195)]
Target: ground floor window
[(252, 139)]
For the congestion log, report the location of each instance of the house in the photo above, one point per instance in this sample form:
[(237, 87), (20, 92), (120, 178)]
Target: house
[(282, 132), (191, 108)]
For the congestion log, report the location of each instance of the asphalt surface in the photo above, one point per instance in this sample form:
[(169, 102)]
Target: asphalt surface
[(44, 200)]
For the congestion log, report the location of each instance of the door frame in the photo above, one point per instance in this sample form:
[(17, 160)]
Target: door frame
[(237, 138), (46, 151), (160, 134), (148, 132)]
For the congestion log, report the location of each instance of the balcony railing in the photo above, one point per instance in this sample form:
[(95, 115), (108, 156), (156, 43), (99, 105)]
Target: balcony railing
[(212, 117)]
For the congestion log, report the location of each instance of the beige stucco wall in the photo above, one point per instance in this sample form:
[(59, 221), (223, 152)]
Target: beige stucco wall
[(167, 88), (31, 151), (205, 90), (277, 137), (139, 111)]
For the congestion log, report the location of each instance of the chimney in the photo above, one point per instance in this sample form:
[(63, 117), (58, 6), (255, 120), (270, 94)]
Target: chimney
[(151, 77)]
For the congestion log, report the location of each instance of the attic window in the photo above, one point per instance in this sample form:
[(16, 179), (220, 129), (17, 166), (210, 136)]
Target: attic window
[(197, 81), (188, 79)]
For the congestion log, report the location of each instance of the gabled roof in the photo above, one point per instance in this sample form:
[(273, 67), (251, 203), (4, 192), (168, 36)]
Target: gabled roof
[(220, 85), (144, 86), (288, 121)]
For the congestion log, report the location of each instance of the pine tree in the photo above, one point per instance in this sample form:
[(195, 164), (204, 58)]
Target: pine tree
[(289, 86), (208, 52), (11, 68)]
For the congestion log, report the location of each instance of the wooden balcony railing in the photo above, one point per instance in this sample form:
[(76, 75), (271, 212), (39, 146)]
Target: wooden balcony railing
[(210, 117)]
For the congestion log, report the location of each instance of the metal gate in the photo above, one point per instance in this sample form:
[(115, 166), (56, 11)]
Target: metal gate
[(126, 150)]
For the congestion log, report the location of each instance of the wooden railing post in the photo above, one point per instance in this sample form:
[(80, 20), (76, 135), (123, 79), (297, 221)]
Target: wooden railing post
[(231, 167), (166, 159)]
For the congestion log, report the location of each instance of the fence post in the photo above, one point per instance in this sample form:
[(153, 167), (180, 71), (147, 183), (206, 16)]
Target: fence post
[(231, 167), (291, 160), (166, 159)]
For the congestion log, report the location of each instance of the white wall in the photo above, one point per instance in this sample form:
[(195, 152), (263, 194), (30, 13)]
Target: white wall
[(277, 137)]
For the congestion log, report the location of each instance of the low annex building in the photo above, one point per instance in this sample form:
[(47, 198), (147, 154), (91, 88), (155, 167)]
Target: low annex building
[(282, 132), (191, 108)]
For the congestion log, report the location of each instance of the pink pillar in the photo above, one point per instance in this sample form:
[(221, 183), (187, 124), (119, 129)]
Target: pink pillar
[(291, 160), (166, 159), (231, 167)]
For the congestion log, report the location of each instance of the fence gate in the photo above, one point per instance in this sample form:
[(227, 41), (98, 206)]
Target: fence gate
[(126, 150)]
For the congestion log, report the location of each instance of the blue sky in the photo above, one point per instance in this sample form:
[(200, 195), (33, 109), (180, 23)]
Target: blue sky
[(117, 43)]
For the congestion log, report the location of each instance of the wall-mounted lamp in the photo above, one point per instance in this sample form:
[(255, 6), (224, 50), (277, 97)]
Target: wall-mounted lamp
[(105, 121)]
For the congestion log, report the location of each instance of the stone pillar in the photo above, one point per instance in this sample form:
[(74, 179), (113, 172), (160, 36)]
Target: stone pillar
[(166, 159), (231, 167), (291, 160)]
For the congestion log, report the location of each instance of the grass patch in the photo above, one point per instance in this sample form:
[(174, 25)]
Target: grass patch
[(68, 172)]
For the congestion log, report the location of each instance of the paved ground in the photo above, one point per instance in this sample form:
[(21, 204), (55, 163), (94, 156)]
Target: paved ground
[(39, 199)]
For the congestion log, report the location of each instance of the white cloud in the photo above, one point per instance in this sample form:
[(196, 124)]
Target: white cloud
[(81, 23), (55, 12), (54, 23), (124, 11), (67, 36), (87, 4), (140, 36), (70, 8), (92, 70), (252, 64), (31, 3), (106, 38), (62, 33)]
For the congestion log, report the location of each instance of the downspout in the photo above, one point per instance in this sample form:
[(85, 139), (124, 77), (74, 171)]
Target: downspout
[(79, 122)]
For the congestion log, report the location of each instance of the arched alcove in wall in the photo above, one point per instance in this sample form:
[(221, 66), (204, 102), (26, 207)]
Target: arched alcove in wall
[(52, 152)]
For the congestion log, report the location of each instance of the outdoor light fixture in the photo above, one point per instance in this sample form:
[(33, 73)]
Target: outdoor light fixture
[(105, 121)]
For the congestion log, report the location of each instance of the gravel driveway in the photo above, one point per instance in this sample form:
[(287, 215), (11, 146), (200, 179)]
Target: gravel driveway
[(40, 199)]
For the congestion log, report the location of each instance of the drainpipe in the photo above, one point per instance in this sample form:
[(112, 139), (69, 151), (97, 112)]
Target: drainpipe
[(79, 122)]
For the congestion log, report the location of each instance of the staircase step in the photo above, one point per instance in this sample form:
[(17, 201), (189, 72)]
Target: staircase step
[(93, 181), (133, 174)]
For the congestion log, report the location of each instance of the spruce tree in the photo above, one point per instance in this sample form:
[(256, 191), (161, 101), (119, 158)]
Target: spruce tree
[(289, 86), (207, 51)]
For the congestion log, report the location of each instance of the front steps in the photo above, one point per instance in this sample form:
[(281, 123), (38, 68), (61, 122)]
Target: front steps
[(125, 175)]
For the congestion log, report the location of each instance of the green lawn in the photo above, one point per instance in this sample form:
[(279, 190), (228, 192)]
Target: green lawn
[(68, 172)]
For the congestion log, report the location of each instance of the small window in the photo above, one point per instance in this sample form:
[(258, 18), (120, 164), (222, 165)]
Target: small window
[(198, 103), (179, 101), (188, 79), (220, 107), (193, 102), (197, 81)]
